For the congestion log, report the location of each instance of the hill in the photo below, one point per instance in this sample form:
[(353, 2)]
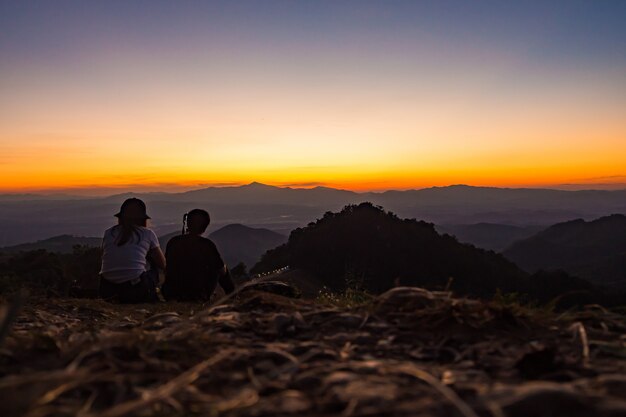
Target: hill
[(594, 250), (263, 194), (239, 243), (375, 249), (56, 244), (462, 204), (490, 236)]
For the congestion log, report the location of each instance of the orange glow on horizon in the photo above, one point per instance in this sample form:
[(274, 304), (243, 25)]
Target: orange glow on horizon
[(352, 180), (355, 158), (364, 112)]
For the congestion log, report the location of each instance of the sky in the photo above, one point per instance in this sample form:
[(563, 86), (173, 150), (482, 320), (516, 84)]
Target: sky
[(156, 95)]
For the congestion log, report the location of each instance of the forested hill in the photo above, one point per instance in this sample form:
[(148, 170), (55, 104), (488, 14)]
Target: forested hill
[(372, 248), (594, 250), (58, 244)]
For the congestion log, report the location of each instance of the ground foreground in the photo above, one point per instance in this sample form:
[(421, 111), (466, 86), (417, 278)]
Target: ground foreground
[(408, 352)]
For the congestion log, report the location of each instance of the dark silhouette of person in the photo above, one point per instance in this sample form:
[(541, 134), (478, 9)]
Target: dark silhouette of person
[(194, 265), (131, 257)]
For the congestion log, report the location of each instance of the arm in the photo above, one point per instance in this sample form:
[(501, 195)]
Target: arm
[(155, 255), (226, 282)]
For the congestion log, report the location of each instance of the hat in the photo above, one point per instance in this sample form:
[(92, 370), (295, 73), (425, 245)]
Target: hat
[(133, 208)]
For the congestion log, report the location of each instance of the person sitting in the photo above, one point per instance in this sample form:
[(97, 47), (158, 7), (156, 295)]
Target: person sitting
[(194, 265), (131, 257)]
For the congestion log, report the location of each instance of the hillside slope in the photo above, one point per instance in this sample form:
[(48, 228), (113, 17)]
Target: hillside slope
[(405, 353), (491, 236), (239, 243), (57, 244), (594, 250)]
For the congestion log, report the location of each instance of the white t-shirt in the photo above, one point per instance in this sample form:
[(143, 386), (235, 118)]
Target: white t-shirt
[(126, 262)]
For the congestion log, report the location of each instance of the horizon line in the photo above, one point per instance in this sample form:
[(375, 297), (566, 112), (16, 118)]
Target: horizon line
[(112, 190)]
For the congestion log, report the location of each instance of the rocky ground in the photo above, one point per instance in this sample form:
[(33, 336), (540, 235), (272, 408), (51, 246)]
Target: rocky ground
[(407, 352)]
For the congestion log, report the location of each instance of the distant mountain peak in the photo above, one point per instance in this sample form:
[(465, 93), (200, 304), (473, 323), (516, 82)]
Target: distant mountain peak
[(258, 185), (242, 228)]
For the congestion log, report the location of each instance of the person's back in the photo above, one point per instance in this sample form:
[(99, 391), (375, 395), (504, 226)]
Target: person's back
[(130, 256), (121, 263), (194, 265)]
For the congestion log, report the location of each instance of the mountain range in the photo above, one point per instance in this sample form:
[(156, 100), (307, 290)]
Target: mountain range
[(364, 247), (30, 217), (591, 250)]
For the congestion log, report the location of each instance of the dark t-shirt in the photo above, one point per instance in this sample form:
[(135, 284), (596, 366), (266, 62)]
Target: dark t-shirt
[(193, 269)]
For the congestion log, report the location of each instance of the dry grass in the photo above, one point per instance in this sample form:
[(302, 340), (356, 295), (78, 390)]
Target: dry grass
[(407, 352)]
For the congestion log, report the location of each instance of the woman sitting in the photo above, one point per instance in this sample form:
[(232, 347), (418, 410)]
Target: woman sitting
[(131, 257)]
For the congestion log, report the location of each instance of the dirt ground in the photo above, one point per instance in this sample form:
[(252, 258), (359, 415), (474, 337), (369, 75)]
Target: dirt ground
[(408, 352)]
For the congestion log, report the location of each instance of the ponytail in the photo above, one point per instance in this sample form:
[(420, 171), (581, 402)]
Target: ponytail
[(184, 223), (196, 221)]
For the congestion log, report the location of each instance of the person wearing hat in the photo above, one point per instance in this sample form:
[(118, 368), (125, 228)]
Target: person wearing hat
[(131, 257)]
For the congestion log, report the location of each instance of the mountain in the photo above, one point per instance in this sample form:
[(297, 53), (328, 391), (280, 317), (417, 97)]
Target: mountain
[(367, 247), (490, 236), (285, 208), (462, 204), (239, 243), (42, 197), (262, 194), (57, 244), (594, 250)]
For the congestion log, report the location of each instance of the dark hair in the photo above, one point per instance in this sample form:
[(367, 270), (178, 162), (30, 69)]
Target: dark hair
[(131, 216), (196, 213), (129, 228)]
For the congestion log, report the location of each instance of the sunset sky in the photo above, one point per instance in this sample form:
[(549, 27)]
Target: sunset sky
[(360, 95)]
